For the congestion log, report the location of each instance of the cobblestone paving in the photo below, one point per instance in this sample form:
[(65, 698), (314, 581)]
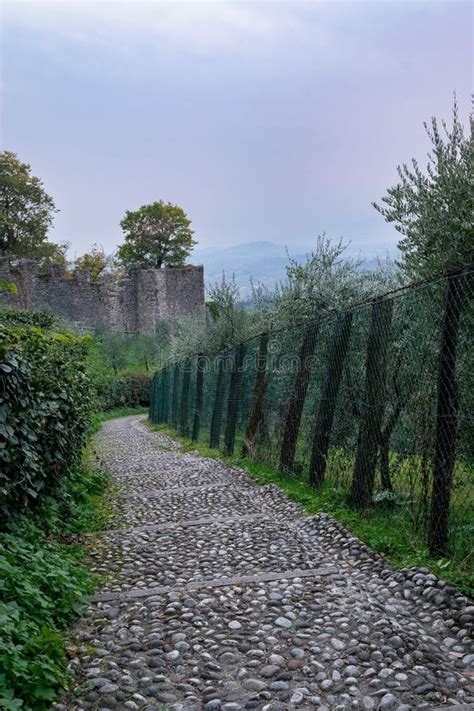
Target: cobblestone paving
[(227, 597), (214, 501), (215, 550)]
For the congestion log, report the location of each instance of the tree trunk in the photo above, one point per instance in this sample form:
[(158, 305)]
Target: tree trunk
[(446, 416), (233, 401), (373, 407), (218, 405), (327, 403), (248, 446), (175, 396), (200, 364), (294, 409)]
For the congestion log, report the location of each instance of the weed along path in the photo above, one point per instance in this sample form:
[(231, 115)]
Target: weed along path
[(221, 594)]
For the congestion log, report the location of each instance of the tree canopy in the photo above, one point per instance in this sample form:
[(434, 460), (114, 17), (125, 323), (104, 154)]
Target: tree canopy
[(433, 209), (155, 235), (26, 211), (94, 261), (48, 253)]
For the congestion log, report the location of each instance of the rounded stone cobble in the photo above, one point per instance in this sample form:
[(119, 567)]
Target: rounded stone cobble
[(145, 559), (213, 502), (361, 636)]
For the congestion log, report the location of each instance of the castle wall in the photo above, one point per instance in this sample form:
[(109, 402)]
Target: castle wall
[(135, 303), (181, 290)]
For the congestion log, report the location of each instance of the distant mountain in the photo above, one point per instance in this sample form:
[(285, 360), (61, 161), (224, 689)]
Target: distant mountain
[(264, 262)]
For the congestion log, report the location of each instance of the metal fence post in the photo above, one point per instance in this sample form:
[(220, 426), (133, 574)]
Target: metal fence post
[(183, 415), (248, 445), (327, 403), (166, 383), (446, 415), (234, 398), (151, 409), (374, 402), (175, 396), (218, 405), (294, 410), (200, 365)]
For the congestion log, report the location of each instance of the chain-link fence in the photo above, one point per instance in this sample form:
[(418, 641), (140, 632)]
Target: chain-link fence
[(373, 403)]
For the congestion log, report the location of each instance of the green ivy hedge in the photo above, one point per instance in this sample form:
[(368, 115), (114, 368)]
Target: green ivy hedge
[(45, 409), (23, 317)]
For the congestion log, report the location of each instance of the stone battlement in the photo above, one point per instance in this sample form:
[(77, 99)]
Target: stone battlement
[(134, 303)]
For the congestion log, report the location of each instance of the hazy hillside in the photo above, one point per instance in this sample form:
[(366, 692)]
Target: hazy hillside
[(263, 261)]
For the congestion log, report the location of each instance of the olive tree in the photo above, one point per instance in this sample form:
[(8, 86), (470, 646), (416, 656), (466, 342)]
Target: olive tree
[(433, 208)]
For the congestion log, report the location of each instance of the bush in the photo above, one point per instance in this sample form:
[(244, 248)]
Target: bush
[(45, 409), (130, 389), (43, 586), (23, 317)]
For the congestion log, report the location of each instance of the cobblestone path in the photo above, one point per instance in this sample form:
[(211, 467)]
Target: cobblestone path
[(221, 594)]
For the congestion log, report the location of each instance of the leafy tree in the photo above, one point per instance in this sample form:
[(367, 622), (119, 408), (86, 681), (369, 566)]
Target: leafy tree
[(328, 279), (26, 210), (190, 337), (114, 350), (433, 212), (49, 253), (151, 349), (228, 321), (433, 209), (94, 261), (155, 235)]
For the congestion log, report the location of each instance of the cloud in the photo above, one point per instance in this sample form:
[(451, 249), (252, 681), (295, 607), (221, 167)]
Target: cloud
[(329, 34), (198, 26)]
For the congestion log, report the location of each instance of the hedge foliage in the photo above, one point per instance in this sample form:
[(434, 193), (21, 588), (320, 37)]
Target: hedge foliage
[(23, 317), (43, 588), (129, 389), (45, 409)]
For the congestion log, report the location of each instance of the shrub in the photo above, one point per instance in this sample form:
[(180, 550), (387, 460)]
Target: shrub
[(130, 389), (103, 382), (43, 586), (23, 317), (45, 408)]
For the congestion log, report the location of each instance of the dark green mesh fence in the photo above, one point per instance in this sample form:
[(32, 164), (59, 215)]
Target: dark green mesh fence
[(374, 403)]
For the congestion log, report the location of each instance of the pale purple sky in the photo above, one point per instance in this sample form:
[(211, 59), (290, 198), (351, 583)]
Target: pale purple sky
[(264, 120)]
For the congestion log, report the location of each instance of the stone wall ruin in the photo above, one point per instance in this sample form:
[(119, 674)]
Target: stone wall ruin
[(135, 303)]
